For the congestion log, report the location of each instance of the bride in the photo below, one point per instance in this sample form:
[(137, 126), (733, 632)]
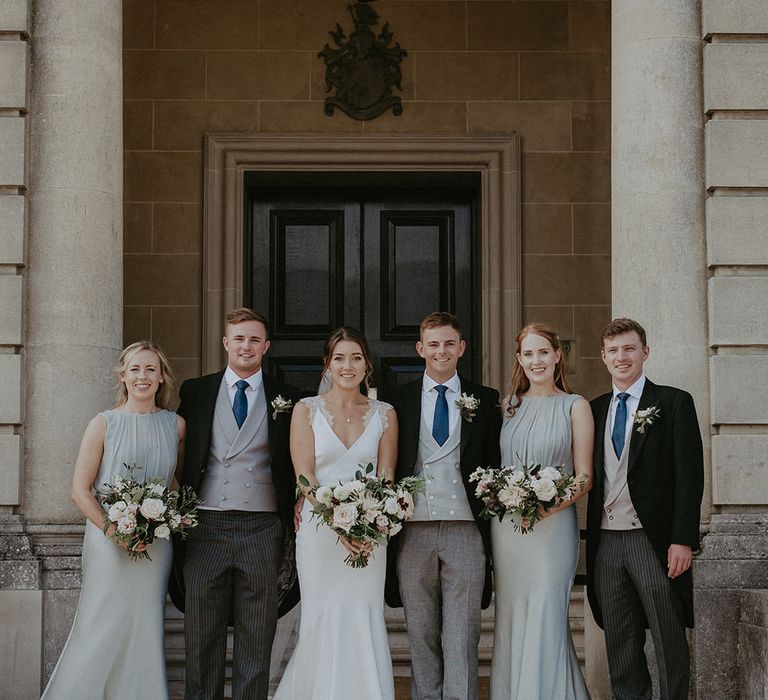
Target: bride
[(342, 650)]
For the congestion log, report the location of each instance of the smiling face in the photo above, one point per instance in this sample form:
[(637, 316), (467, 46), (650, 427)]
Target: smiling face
[(624, 356), (538, 359), (142, 375), (246, 343), (441, 348), (347, 364)]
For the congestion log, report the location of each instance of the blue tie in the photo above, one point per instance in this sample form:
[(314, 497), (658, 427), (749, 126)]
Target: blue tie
[(440, 423), (240, 404), (620, 425)]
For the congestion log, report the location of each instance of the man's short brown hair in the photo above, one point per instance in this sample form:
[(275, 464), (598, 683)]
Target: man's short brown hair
[(623, 325), (245, 314), (437, 319)]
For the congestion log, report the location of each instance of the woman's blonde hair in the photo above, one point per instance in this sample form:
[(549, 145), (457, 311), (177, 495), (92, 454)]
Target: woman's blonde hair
[(519, 382), (165, 390)]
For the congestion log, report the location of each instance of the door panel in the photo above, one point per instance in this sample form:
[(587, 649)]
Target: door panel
[(379, 260)]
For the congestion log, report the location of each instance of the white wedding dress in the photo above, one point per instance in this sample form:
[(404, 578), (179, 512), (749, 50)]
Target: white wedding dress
[(342, 651)]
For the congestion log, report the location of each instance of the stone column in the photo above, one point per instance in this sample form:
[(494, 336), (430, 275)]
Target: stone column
[(659, 263), (75, 285), (658, 216), (74, 288)]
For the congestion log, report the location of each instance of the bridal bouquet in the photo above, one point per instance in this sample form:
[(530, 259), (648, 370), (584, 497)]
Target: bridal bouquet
[(520, 491), (148, 510), (368, 509)]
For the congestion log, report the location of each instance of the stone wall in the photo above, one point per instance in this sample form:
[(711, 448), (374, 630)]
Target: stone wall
[(20, 601), (730, 636), (541, 69)]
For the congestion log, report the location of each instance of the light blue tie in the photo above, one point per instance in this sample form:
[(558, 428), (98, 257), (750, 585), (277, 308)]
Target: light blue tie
[(440, 423), (620, 425), (240, 404)]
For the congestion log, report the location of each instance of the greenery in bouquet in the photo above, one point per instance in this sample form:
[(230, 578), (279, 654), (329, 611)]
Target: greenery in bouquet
[(521, 492), (368, 509), (145, 511)]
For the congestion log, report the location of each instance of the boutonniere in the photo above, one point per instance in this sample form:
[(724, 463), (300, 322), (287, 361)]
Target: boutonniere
[(467, 405), (281, 405), (645, 418)]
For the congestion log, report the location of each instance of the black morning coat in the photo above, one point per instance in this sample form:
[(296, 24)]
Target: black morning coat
[(665, 475), (479, 448)]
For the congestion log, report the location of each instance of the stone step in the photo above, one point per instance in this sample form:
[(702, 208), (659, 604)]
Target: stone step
[(398, 644)]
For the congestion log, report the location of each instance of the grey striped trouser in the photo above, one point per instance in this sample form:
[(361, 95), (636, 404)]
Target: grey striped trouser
[(230, 571), (632, 587), (441, 568)]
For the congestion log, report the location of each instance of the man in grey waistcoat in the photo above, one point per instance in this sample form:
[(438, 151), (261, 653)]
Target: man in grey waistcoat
[(439, 566), (643, 519), (237, 459)]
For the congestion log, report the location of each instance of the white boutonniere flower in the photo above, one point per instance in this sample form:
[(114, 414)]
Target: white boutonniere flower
[(646, 417), (281, 405), (467, 405)]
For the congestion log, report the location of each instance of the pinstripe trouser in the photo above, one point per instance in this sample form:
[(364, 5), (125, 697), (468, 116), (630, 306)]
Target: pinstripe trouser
[(441, 568), (632, 587), (230, 570)]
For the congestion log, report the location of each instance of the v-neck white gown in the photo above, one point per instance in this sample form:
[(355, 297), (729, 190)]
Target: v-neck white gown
[(342, 651)]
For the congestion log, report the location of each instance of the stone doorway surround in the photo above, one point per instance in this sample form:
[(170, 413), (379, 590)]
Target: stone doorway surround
[(228, 156)]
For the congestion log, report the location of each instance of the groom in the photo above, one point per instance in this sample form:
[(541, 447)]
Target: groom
[(237, 459), (439, 566), (643, 518)]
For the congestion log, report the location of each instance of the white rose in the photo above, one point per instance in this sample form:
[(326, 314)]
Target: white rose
[(550, 473), (126, 524), (163, 531), (117, 511), (395, 528), (392, 506), (511, 496), (324, 495), (515, 477), (342, 492), (152, 508), (544, 489), (344, 516)]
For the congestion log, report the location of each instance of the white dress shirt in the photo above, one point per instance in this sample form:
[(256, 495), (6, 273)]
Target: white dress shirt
[(429, 399), (255, 385), (635, 392)]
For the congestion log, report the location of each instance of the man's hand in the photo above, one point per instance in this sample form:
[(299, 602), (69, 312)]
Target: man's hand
[(678, 559)]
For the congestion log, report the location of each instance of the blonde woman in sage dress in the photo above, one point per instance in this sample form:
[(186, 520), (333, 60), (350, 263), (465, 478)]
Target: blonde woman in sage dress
[(116, 648), (534, 657)]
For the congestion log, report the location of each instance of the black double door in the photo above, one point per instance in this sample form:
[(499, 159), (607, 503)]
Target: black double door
[(377, 259)]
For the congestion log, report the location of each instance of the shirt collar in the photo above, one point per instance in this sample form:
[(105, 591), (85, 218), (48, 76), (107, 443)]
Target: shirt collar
[(231, 378), (453, 384), (635, 391)]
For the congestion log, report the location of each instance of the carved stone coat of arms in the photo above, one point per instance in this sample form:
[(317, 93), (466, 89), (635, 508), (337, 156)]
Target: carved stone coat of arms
[(363, 69)]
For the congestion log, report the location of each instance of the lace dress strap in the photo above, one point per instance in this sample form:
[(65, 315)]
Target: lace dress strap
[(315, 404), (379, 408)]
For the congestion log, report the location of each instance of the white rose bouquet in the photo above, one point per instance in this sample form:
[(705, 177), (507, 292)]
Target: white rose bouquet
[(145, 511), (521, 492), (368, 509)]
